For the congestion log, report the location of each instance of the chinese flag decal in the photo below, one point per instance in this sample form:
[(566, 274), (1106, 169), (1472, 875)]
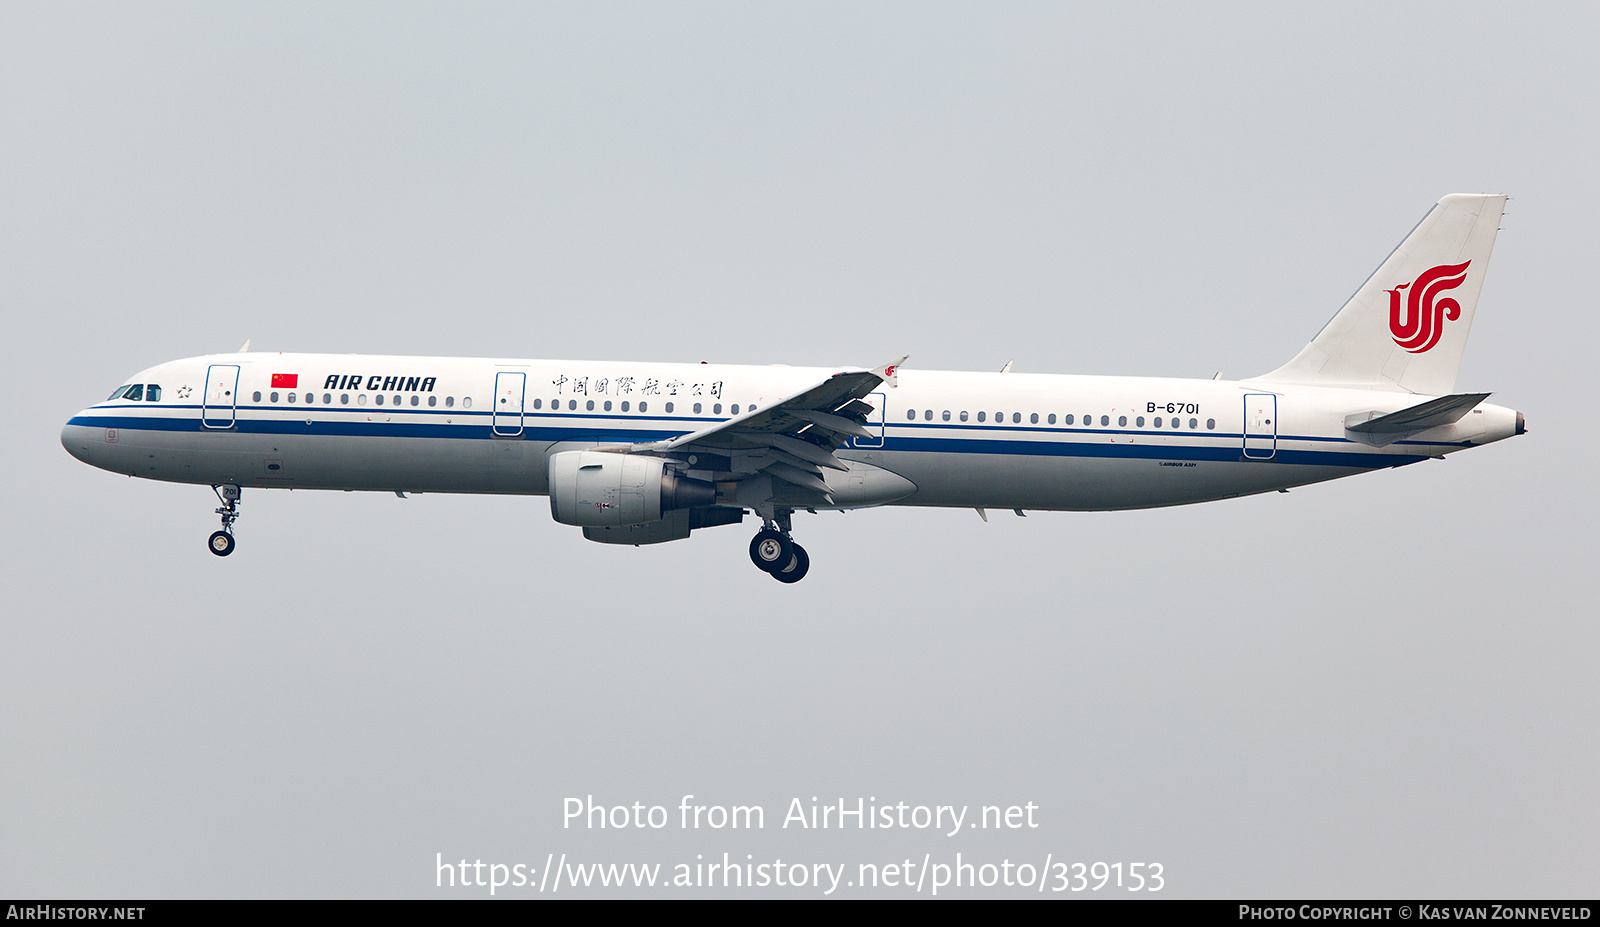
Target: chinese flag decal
[(285, 380)]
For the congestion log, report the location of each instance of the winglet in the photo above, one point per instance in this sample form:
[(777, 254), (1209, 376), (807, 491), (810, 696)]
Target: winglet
[(888, 372)]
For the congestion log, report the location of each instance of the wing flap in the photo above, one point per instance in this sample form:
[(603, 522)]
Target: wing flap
[(834, 423), (805, 450)]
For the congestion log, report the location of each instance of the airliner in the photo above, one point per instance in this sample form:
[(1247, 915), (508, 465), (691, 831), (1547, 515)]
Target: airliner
[(642, 453)]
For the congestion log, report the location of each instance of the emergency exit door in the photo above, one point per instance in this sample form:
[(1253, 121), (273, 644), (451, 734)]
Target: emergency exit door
[(1260, 425), (509, 389), (221, 397)]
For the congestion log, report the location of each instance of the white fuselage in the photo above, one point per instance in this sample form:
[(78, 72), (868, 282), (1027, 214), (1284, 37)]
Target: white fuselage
[(1024, 441)]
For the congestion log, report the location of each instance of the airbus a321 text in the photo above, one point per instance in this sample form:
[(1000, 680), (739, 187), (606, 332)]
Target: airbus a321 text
[(639, 453)]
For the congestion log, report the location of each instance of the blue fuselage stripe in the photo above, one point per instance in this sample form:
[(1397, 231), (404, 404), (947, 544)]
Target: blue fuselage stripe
[(544, 426)]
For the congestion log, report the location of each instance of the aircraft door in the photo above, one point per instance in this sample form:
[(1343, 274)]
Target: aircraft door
[(874, 421), (1260, 425), (510, 386), (221, 396)]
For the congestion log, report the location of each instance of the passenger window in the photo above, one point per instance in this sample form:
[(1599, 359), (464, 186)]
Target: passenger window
[(624, 405), (911, 415), (1158, 421), (344, 399), (945, 415), (255, 396), (643, 406), (1211, 424), (291, 397), (1052, 418), (669, 407), (1139, 421), (752, 407), (1122, 421), (377, 399), (1016, 418), (152, 393), (735, 409), (982, 416), (397, 400), (327, 399), (716, 409), (572, 405), (416, 400), (434, 400), (1105, 420), (589, 406), (1033, 419), (361, 399), (608, 405), (538, 403), (1066, 419), (963, 416), (449, 402), (466, 402), (273, 396), (927, 415), (697, 408)]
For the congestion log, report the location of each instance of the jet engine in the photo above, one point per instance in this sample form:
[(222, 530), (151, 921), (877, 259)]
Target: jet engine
[(598, 488)]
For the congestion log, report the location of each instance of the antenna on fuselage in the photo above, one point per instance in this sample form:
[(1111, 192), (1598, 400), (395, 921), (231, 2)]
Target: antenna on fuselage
[(244, 348), (1006, 368)]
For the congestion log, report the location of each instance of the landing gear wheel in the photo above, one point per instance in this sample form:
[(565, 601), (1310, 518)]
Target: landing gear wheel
[(221, 542), (771, 550), (796, 568)]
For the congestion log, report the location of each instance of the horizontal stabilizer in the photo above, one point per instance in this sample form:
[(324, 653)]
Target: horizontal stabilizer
[(1381, 429)]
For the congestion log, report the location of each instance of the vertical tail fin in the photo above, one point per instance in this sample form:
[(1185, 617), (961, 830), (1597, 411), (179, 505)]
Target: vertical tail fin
[(1406, 328)]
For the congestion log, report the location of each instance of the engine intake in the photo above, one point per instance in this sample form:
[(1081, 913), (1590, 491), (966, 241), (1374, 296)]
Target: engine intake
[(597, 488)]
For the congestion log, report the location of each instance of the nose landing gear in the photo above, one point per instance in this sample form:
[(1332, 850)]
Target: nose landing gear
[(774, 552), (221, 542)]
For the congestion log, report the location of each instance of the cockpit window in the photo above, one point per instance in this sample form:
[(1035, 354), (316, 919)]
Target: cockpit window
[(152, 393), (117, 393), (135, 392)]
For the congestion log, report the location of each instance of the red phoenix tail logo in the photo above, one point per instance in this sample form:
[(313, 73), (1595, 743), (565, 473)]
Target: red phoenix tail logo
[(1418, 324)]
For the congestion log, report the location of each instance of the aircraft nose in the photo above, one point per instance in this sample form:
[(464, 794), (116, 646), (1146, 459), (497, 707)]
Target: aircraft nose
[(80, 440)]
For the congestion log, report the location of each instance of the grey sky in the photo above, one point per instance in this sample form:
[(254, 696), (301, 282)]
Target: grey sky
[(1383, 686)]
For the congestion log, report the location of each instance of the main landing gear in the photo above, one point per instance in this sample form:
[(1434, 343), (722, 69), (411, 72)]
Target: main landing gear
[(221, 542), (773, 551)]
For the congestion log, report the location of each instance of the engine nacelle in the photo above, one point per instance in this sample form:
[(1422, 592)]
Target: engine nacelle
[(597, 488)]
